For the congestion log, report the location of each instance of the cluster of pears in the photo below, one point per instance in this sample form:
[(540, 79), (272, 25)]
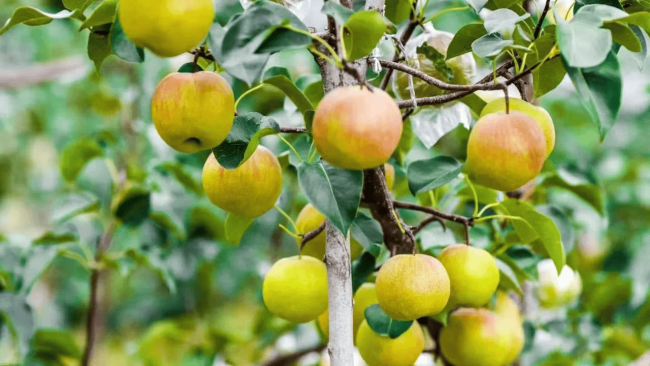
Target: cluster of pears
[(409, 287), (507, 150)]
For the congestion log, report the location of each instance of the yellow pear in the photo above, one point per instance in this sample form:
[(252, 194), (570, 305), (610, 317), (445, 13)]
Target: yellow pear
[(412, 286), (377, 350), (323, 324), (193, 112), (505, 151), (295, 289), (539, 114), (475, 337), (508, 311), (364, 297), (310, 219), (166, 27), (390, 176), (473, 274), (249, 190), (355, 128)]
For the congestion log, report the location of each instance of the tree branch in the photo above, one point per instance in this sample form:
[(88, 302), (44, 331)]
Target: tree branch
[(293, 130), (312, 234), (408, 32), (427, 221), (538, 28), (291, 358), (431, 211)]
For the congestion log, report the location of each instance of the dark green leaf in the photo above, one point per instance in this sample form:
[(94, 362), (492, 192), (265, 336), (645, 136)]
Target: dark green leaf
[(507, 278), (33, 17), (190, 68), (438, 60), (361, 33), (76, 155), (462, 42), (244, 137), (501, 19), (536, 226), (236, 227), (247, 69), (54, 343), (366, 230), (334, 192), (362, 268), (490, 45), (122, 46), (337, 11), (132, 205), (99, 48), (425, 175), (384, 325), (103, 14), (600, 89), (57, 237), (282, 39)]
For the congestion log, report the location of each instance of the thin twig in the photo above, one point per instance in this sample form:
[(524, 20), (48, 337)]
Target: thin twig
[(445, 216), (293, 130), (538, 28), (427, 221), (408, 32), (291, 358), (407, 114), (312, 234)]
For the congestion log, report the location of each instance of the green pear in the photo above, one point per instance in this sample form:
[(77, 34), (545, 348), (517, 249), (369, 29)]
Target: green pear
[(310, 219), (377, 350)]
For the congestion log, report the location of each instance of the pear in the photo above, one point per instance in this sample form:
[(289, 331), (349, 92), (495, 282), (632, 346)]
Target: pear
[(295, 289), (390, 176), (356, 129), (193, 112), (310, 219), (473, 274), (508, 311), (412, 286), (365, 296), (556, 291), (377, 350), (475, 337), (166, 27), (249, 190), (539, 114), (505, 151)]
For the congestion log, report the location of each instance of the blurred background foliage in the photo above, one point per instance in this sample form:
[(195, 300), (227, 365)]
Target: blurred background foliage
[(177, 293)]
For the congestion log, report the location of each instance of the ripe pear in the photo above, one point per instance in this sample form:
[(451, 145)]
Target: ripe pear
[(390, 176), (310, 219), (364, 297), (475, 337), (508, 311), (505, 151), (356, 129), (377, 350), (539, 114), (166, 27), (412, 286), (473, 274), (193, 112), (249, 190), (295, 289)]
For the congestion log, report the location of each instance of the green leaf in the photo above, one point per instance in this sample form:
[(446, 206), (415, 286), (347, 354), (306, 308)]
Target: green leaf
[(405, 142), (73, 204), (132, 205), (624, 35), (600, 89), (56, 237), (640, 57), (99, 48), (283, 38), (536, 226), (507, 277), (182, 176), (170, 221), (477, 5), (437, 58), (279, 77), (122, 46), (397, 11), (367, 230), (53, 343), (500, 4), (243, 139), (31, 16), (361, 33), (583, 44), (77, 4), (462, 41), (551, 73), (520, 273), (153, 262), (640, 19), (501, 19), (236, 227), (103, 14), (490, 45), (363, 267), (76, 155), (598, 13), (247, 69), (337, 11), (334, 192), (580, 184), (16, 313), (190, 68), (475, 104), (384, 325), (563, 225), (428, 174)]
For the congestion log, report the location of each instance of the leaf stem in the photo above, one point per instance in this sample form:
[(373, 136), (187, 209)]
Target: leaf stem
[(290, 147), (318, 39), (294, 235), (486, 208), (438, 14), (471, 186), (286, 216), (504, 217), (247, 92)]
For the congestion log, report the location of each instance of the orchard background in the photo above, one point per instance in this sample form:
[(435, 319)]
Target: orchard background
[(111, 253)]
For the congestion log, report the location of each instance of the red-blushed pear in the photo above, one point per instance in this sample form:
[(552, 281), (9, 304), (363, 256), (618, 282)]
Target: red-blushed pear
[(166, 27), (508, 311), (473, 274), (475, 337), (193, 112), (412, 286), (355, 128), (310, 219), (539, 114), (378, 350), (249, 190), (505, 151), (295, 289)]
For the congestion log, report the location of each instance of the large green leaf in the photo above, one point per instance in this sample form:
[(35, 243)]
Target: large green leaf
[(361, 33), (551, 73), (364, 266), (31, 16), (283, 38), (428, 174), (99, 48), (600, 89), (132, 205), (335, 192), (243, 139), (583, 44), (490, 45), (501, 19), (279, 77), (624, 35), (383, 324), (366, 230), (122, 46), (641, 20), (536, 226), (103, 14), (247, 69), (462, 41)]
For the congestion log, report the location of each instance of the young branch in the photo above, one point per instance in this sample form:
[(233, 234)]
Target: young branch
[(468, 221), (293, 130), (538, 28), (408, 32), (427, 221), (290, 358), (312, 234)]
